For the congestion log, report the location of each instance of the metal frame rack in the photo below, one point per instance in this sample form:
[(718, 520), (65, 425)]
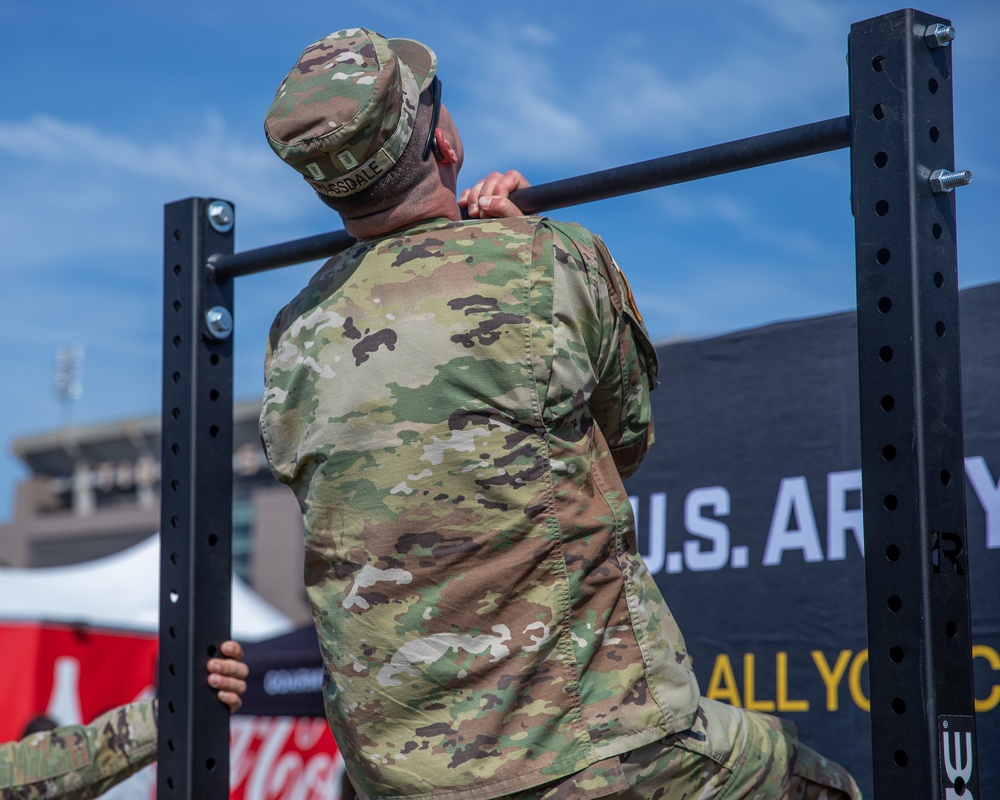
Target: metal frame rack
[(900, 133)]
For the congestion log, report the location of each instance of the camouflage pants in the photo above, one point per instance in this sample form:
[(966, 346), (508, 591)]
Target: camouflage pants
[(728, 754)]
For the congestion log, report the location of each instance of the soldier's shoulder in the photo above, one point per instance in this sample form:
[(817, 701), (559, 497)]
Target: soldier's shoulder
[(572, 236), (571, 230)]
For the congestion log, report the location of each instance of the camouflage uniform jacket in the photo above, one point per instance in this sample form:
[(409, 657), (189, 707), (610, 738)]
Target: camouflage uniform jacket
[(454, 405), (80, 761)]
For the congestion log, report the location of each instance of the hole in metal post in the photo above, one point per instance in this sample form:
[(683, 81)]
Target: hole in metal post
[(895, 604), (177, 305), (174, 597), (175, 521), (177, 234), (881, 159), (175, 449), (174, 558), (214, 358), (177, 341), (937, 230), (892, 552), (898, 706), (888, 452), (883, 256), (177, 269), (932, 84), (900, 758), (176, 377), (882, 207), (213, 540), (884, 305), (891, 502), (211, 650), (896, 654), (934, 133), (888, 402), (939, 328), (878, 63), (213, 395), (175, 413), (213, 431), (210, 764), (172, 631), (951, 629), (885, 354), (879, 111), (945, 477), (171, 669)]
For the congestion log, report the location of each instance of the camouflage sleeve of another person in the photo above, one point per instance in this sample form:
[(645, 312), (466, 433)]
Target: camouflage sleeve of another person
[(624, 359), (80, 761)]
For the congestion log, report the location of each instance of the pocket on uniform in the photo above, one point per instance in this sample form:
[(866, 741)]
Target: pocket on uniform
[(601, 779), (764, 762), (699, 762), (719, 732)]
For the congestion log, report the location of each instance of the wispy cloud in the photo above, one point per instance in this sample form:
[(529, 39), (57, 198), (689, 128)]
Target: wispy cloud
[(517, 90), (82, 228), (87, 177), (636, 93), (212, 155), (717, 295)]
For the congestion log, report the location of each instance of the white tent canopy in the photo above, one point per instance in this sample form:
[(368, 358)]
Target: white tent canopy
[(120, 591)]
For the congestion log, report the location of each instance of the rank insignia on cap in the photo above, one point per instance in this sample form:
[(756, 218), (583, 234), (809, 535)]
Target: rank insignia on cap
[(347, 159), (315, 171)]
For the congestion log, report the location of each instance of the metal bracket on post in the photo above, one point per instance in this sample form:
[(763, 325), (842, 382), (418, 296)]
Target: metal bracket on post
[(197, 499), (920, 645)]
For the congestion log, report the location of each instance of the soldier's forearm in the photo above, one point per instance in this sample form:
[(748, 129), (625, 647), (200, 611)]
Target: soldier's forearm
[(80, 761)]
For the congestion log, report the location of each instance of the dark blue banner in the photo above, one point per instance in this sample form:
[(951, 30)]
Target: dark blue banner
[(749, 516)]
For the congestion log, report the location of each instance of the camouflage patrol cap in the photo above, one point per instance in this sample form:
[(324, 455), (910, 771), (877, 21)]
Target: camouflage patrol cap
[(344, 114)]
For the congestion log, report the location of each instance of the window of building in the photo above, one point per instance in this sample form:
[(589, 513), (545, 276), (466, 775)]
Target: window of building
[(242, 532)]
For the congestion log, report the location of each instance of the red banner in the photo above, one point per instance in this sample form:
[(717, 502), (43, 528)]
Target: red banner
[(74, 674), (274, 758), (70, 674)]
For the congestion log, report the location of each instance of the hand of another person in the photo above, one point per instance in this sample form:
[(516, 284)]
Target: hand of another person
[(489, 196), (228, 675)]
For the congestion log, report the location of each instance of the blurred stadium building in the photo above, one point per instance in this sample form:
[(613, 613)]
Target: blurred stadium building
[(95, 489)]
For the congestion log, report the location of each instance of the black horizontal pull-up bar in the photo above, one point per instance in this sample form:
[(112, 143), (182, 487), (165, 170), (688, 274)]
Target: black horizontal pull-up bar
[(754, 151), (705, 162)]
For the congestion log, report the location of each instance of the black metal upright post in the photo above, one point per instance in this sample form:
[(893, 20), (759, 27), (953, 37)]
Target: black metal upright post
[(902, 164), (197, 499)]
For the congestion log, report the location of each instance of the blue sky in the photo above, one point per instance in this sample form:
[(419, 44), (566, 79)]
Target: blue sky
[(115, 108)]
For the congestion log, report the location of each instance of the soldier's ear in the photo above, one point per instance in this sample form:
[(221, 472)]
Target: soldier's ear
[(448, 154)]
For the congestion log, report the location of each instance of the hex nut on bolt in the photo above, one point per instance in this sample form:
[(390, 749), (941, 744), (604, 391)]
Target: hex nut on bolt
[(220, 216), (939, 35), (943, 180), (219, 322)]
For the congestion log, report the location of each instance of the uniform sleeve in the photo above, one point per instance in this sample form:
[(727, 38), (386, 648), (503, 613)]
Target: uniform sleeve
[(273, 406), (623, 361), (80, 761), (621, 402), (279, 412)]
